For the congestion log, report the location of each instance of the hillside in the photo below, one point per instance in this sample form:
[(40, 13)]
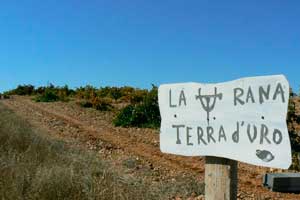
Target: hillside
[(132, 151)]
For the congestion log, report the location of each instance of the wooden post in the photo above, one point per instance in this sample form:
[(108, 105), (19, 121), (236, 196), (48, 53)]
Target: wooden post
[(220, 179)]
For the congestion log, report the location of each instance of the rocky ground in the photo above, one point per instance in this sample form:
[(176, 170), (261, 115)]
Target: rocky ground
[(133, 150)]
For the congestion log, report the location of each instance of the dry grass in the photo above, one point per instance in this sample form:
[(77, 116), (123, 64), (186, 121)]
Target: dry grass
[(33, 166)]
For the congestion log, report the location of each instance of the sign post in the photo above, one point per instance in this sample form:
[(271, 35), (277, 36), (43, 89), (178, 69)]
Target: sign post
[(220, 178), (242, 120)]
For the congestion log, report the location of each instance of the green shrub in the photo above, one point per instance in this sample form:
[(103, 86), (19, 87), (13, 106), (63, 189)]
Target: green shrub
[(120, 94), (48, 96), (111, 92), (64, 92), (138, 96), (151, 108), (86, 92), (125, 117), (298, 119), (86, 104), (22, 90), (40, 90), (295, 161), (52, 93), (115, 93), (127, 92), (145, 114), (6, 95), (291, 115), (103, 92), (101, 104), (293, 118), (44, 94)]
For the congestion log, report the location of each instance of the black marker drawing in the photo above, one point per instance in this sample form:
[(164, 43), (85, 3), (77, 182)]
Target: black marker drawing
[(265, 155), (206, 99)]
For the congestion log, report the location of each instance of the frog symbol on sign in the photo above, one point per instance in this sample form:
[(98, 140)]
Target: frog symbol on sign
[(265, 155), (206, 101)]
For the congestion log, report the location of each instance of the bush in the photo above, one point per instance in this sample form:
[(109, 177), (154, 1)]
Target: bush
[(63, 93), (22, 90), (4, 95), (151, 108), (115, 93), (44, 94), (145, 114), (101, 104), (52, 93), (120, 94), (127, 92), (126, 117), (293, 118), (110, 92), (86, 104), (138, 96), (40, 90), (48, 96), (291, 115), (86, 92), (295, 161)]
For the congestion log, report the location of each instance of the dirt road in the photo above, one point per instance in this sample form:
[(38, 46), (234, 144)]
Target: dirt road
[(93, 130)]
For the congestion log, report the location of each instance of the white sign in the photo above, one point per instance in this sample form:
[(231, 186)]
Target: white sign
[(243, 120)]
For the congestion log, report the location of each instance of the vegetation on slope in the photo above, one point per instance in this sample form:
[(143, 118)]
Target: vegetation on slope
[(49, 93), (143, 114), (293, 120), (33, 166), (141, 106)]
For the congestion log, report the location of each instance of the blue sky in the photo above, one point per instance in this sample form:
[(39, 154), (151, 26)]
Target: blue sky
[(140, 42)]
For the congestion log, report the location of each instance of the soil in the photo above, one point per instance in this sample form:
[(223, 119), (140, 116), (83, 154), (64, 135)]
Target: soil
[(136, 149)]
